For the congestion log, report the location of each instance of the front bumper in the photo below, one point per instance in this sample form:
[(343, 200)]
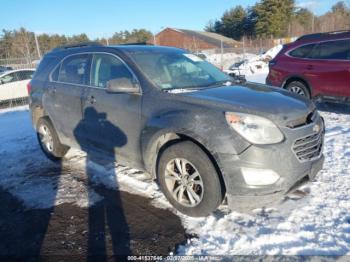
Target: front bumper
[(282, 158)]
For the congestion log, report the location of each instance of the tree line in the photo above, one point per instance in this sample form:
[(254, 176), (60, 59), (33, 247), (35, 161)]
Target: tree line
[(278, 19), (267, 19), (25, 44)]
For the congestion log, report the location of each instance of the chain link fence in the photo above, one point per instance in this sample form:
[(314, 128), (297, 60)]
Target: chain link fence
[(224, 58), (19, 63)]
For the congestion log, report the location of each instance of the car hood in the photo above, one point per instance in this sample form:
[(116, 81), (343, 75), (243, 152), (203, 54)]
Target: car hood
[(278, 105)]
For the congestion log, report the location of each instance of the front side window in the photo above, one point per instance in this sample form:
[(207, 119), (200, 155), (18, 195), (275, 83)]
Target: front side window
[(303, 51), (75, 70), (8, 78), (107, 67), (338, 50), (175, 70)]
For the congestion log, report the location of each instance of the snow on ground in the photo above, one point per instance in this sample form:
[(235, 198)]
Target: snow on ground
[(318, 224)]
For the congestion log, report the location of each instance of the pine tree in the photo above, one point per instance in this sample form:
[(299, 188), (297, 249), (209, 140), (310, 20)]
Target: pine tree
[(233, 22), (273, 17)]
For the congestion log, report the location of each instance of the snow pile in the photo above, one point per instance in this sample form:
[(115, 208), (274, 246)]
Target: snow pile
[(254, 67), (271, 53), (227, 59)]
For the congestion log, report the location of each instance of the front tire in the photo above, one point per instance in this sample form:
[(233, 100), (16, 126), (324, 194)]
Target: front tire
[(189, 180), (48, 140), (299, 88)]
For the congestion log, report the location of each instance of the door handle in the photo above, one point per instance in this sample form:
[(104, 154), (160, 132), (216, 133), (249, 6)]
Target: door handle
[(92, 100), (309, 67)]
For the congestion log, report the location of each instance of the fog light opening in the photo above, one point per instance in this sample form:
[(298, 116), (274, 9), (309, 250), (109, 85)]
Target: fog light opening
[(259, 177)]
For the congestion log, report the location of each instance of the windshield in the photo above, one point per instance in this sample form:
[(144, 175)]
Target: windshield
[(174, 70)]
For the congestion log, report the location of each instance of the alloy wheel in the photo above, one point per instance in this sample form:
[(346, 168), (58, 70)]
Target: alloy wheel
[(184, 182), (46, 138), (297, 90)]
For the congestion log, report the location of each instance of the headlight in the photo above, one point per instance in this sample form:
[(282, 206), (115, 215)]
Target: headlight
[(256, 129)]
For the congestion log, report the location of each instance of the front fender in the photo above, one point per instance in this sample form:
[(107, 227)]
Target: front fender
[(207, 127)]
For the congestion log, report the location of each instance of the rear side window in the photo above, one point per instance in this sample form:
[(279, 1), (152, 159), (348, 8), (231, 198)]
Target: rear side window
[(333, 50), (107, 67), (24, 75), (75, 70), (303, 51)]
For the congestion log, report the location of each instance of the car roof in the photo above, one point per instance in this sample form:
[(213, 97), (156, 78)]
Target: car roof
[(325, 35), (15, 70), (321, 37), (127, 48)]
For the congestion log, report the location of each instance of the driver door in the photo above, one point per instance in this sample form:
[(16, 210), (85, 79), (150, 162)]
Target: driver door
[(112, 120)]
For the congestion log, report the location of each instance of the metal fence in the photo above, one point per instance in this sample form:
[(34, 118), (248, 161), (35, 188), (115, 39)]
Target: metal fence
[(19, 63), (224, 58)]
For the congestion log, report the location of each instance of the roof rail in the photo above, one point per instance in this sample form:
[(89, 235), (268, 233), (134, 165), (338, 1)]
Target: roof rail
[(81, 44), (320, 35)]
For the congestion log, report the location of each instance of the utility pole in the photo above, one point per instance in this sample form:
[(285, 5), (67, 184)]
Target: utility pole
[(37, 46), (243, 48), (222, 54)]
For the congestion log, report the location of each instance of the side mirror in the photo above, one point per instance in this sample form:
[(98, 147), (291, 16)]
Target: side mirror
[(122, 85), (1, 82)]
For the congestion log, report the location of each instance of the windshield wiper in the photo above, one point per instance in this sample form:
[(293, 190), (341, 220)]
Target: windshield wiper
[(215, 84), (220, 83)]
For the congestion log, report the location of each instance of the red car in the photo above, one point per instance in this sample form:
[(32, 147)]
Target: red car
[(314, 66)]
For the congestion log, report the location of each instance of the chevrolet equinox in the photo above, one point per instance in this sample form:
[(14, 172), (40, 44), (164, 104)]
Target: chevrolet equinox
[(163, 110)]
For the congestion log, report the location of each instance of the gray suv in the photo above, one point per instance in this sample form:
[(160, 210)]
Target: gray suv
[(168, 112)]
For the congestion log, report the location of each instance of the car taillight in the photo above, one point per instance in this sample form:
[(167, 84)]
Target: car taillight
[(29, 88)]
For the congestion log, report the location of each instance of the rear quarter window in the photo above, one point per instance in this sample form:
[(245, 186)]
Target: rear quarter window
[(45, 67)]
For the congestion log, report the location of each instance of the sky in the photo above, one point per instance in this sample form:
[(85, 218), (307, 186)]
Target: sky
[(101, 18)]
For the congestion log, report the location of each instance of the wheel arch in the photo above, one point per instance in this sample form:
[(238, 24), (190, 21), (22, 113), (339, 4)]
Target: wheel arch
[(299, 78), (162, 141)]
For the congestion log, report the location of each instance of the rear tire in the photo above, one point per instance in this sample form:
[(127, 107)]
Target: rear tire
[(189, 180), (48, 140), (299, 88)]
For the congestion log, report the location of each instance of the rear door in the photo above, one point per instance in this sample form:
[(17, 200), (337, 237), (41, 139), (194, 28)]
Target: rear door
[(20, 86), (8, 86), (63, 99), (329, 67), (112, 120)]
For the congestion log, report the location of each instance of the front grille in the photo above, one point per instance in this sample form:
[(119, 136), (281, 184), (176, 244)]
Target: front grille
[(309, 147)]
